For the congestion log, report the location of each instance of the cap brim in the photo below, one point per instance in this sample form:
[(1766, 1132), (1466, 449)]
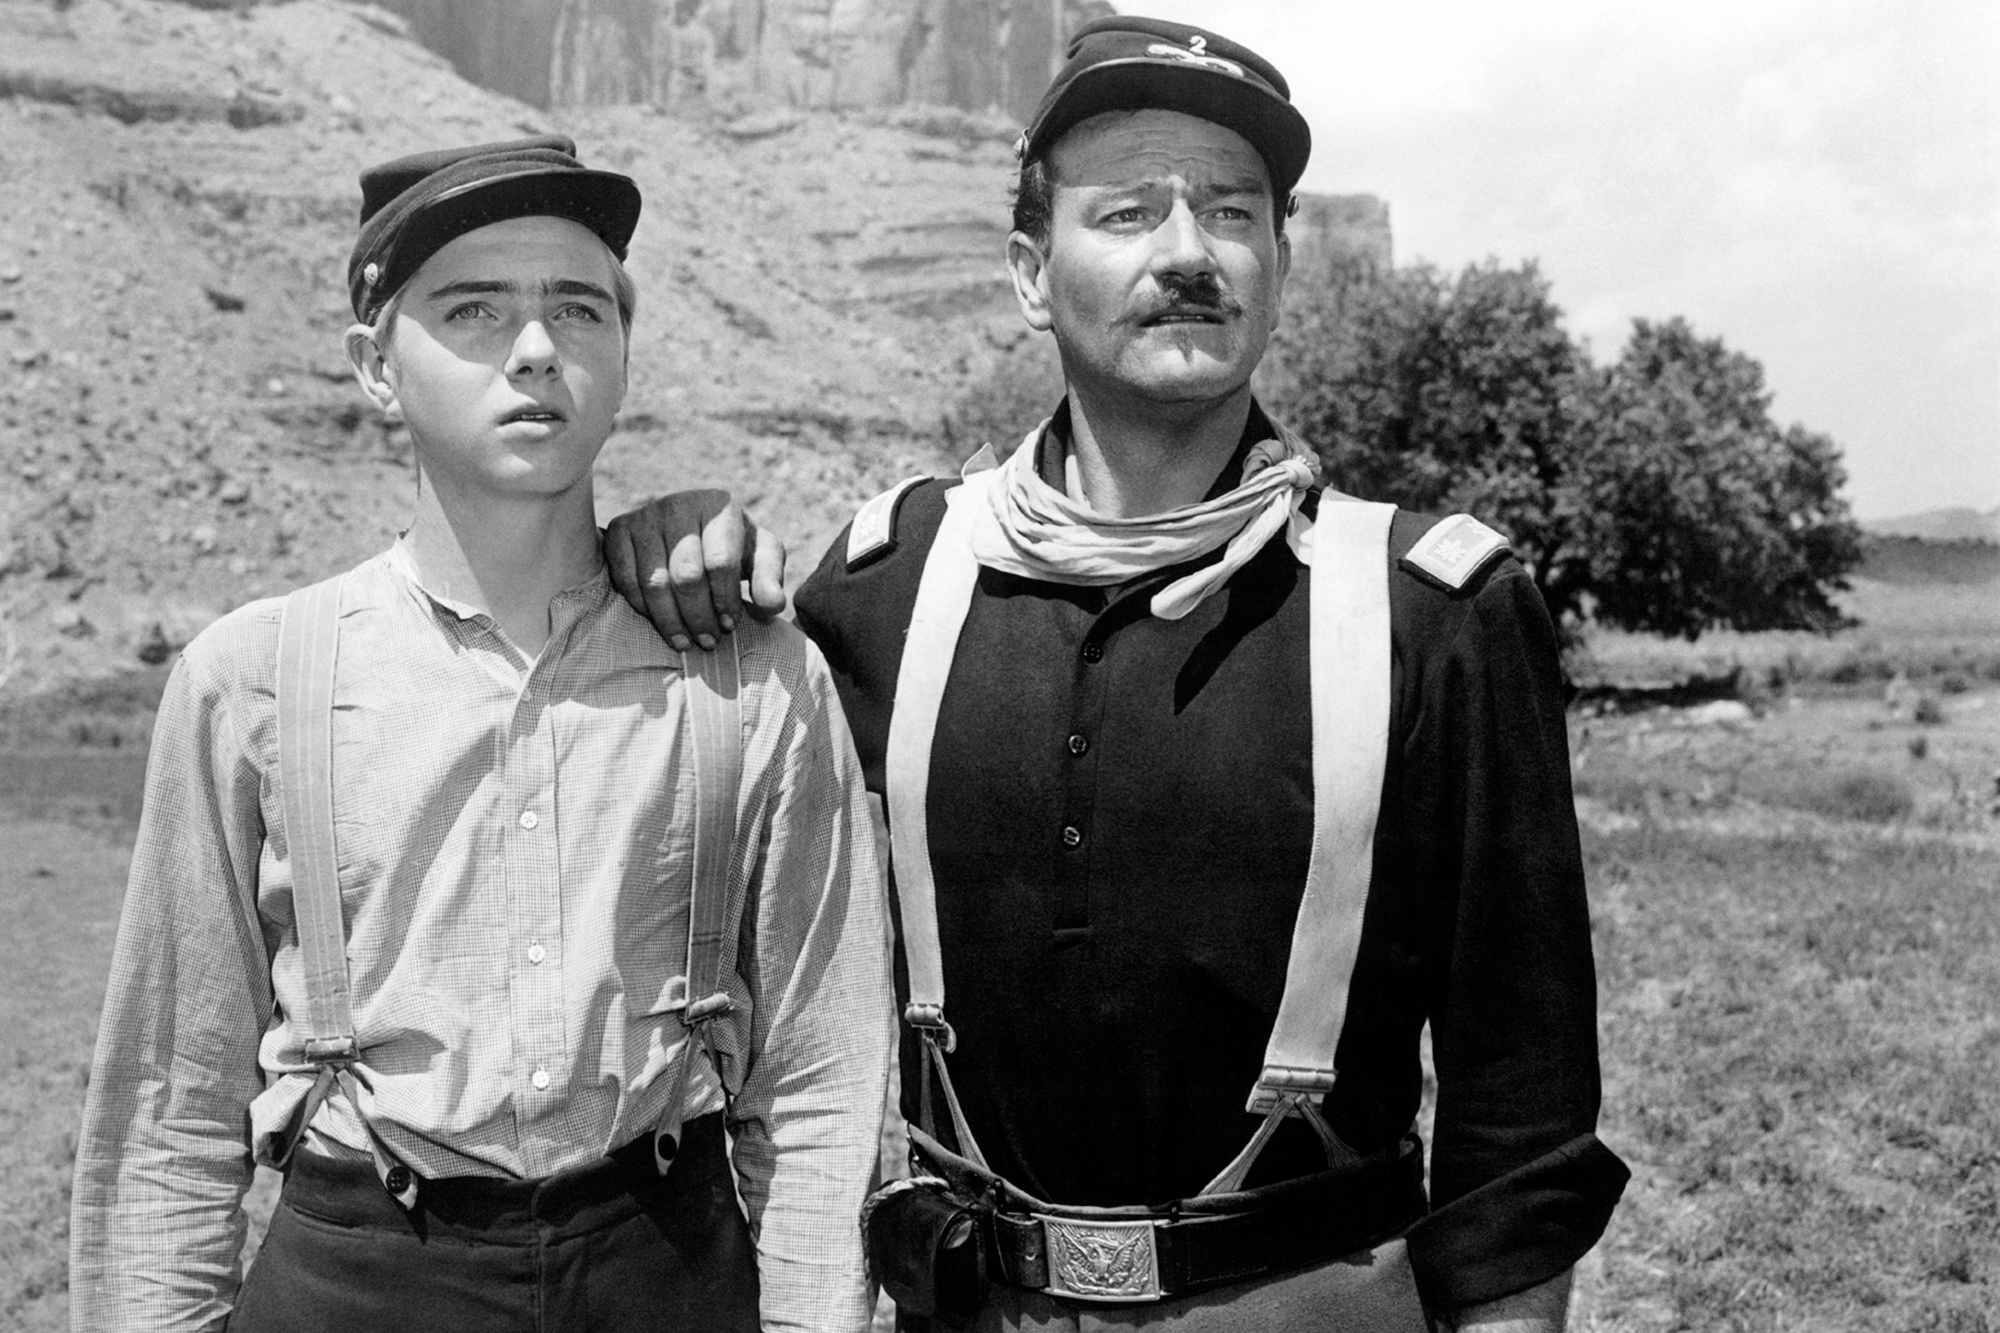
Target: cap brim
[(1270, 124), (603, 201)]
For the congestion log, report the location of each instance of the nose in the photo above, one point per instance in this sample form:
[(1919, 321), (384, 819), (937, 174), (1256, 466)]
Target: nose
[(1181, 244), (534, 353)]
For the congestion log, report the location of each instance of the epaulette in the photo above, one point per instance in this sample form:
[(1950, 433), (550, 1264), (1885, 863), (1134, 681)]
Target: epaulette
[(1454, 550), (874, 528)]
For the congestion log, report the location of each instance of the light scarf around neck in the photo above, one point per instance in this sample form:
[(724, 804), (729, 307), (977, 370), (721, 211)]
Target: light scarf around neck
[(1022, 525)]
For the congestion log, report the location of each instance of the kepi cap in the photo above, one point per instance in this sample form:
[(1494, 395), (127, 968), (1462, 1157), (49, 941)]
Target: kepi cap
[(412, 207), (1124, 62)]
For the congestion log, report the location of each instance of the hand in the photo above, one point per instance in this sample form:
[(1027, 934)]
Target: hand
[(681, 561)]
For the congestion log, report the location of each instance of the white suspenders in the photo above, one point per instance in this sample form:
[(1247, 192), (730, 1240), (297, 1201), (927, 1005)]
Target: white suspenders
[(308, 642), (1349, 653)]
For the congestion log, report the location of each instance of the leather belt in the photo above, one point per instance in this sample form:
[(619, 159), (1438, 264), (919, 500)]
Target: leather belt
[(1137, 1255)]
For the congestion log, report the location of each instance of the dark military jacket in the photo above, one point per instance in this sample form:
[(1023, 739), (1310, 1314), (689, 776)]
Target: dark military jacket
[(1121, 812)]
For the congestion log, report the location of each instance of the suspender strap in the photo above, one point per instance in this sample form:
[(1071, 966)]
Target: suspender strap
[(944, 595), (1349, 646), (714, 685), (308, 650), (715, 725), (308, 641), (1349, 637)]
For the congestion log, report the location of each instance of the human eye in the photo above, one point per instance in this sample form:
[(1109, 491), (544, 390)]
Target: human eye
[(469, 312), (580, 312), (1123, 216)]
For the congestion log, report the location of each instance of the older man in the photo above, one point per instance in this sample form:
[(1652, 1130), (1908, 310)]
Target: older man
[(1204, 781)]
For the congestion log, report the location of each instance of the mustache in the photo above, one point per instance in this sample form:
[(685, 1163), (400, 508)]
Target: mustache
[(1180, 293)]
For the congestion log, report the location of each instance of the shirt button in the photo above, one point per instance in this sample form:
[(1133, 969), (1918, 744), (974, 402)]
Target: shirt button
[(1079, 743), (540, 1078), (529, 819), (1072, 836), (1093, 652), (536, 953)]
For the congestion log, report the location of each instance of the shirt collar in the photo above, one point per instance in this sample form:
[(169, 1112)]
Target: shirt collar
[(590, 594)]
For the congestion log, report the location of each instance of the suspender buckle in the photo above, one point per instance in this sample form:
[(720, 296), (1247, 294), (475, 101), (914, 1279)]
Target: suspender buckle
[(1099, 1260), (929, 1020), (710, 1007), (332, 1051)]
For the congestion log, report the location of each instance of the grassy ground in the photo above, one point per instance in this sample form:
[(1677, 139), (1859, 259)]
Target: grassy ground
[(1800, 1037), (1798, 1014), (1927, 631)]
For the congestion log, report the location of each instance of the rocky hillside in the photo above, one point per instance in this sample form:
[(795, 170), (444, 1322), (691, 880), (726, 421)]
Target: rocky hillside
[(978, 55), (175, 414)]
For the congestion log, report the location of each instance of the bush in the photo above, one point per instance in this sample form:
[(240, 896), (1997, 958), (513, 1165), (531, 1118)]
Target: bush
[(1861, 794)]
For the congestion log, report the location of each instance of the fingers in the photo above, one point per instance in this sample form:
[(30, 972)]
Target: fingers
[(765, 566), (724, 539), (637, 562), (623, 568), (688, 587)]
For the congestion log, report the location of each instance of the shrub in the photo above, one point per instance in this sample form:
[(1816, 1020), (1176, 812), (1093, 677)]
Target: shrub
[(1928, 711), (1861, 794)]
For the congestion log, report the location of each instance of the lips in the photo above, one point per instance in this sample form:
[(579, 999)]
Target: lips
[(1182, 314), (534, 413)]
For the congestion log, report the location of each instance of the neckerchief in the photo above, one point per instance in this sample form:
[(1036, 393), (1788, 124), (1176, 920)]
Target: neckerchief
[(1025, 526)]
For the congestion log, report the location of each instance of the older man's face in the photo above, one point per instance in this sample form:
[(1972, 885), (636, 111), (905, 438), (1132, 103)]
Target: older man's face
[(1162, 271)]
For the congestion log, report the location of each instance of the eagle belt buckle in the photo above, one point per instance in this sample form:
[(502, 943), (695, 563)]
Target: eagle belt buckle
[(1101, 1260)]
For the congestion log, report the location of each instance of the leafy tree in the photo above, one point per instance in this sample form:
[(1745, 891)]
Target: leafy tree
[(1699, 510), (1654, 494)]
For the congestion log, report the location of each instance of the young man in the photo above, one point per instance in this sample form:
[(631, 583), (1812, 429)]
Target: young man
[(526, 1131), (1090, 680)]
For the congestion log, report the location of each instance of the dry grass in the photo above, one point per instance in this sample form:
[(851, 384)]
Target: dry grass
[(1799, 1043), (1933, 631)]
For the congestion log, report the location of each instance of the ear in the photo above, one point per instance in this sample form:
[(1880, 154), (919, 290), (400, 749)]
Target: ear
[(1284, 272), (1028, 266), (371, 369)]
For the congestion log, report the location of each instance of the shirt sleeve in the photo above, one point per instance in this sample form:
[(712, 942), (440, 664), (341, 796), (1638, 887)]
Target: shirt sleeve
[(1520, 1185), (808, 1119), (163, 1157)]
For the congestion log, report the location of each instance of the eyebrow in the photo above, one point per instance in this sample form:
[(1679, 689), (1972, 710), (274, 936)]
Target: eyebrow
[(498, 287), (1214, 190)]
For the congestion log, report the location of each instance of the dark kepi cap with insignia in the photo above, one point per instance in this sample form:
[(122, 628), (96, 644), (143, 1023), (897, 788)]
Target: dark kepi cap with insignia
[(1124, 62), (413, 206)]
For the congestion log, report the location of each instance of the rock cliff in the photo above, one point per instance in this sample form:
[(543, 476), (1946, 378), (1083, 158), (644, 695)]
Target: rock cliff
[(989, 56)]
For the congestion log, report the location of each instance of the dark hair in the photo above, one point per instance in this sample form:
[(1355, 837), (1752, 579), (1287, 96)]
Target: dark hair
[(1034, 201)]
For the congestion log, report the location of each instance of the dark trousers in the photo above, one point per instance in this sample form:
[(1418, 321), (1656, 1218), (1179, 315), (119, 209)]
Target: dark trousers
[(612, 1246)]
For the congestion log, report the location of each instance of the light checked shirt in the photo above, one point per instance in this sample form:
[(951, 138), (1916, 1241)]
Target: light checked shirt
[(515, 850)]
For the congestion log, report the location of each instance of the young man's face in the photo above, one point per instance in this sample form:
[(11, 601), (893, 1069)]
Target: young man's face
[(1162, 270), (506, 357)]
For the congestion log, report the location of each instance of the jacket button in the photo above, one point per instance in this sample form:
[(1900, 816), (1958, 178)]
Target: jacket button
[(398, 1178), (1093, 652), (1079, 743), (1072, 836)]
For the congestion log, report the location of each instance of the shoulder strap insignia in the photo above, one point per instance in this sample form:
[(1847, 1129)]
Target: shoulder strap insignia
[(1454, 550), (874, 528)]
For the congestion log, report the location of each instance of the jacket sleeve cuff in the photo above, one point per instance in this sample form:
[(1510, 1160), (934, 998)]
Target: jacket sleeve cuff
[(1518, 1229)]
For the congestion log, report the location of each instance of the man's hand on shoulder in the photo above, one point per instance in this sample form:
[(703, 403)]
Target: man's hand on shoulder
[(682, 561)]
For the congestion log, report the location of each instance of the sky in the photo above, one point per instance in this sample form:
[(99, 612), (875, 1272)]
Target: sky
[(1817, 184)]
